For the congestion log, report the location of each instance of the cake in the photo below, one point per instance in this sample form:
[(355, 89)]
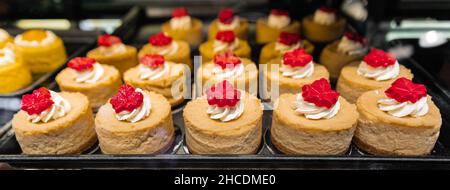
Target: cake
[(402, 121), (316, 121), (14, 74), (289, 73), (96, 81), (226, 20), (348, 49), (54, 123), (286, 42), (156, 74), (224, 41), (40, 50), (183, 27), (176, 51), (135, 122), (378, 69), (268, 29), (324, 26), (111, 51), (5, 38), (225, 121)]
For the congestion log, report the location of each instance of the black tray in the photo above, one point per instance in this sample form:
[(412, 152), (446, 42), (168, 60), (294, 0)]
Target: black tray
[(268, 157)]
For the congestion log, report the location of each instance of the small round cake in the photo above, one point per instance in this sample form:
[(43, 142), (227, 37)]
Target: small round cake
[(135, 122), (96, 81), (314, 122), (324, 26), (41, 50), (226, 121), (226, 20), (268, 29), (402, 121), (377, 70), (241, 72), (176, 51), (340, 53), (14, 74), (5, 38), (183, 27), (286, 42), (156, 74), (112, 51), (295, 69), (224, 41), (54, 123)]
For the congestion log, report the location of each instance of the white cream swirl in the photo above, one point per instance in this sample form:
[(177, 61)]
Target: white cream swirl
[(182, 23), (297, 72), (380, 73), (397, 109), (233, 25), (349, 47), (236, 71), (3, 35), (149, 73), (114, 49), (139, 113), (91, 75), (7, 56), (311, 111), (324, 18), (49, 38), (226, 113), (60, 108), (285, 48), (219, 46), (170, 49), (278, 21)]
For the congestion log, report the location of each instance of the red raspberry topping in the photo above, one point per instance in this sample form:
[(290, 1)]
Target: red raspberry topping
[(108, 40), (180, 12), (160, 39), (379, 58), (37, 102), (81, 63), (226, 16), (288, 38), (353, 36), (223, 94), (320, 94), (226, 36), (404, 90), (297, 58), (152, 60), (127, 99), (227, 59), (279, 12), (327, 9)]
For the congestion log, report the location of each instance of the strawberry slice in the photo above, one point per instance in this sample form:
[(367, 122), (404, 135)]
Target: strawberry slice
[(127, 99), (160, 39), (152, 60), (108, 40), (226, 16), (37, 102), (180, 12), (379, 58), (297, 58), (223, 94), (404, 90), (227, 58), (320, 94), (288, 38), (226, 36), (81, 64)]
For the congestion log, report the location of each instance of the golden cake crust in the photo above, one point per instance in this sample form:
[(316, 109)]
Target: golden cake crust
[(14, 76), (206, 50), (322, 33), (183, 55), (241, 32), (268, 52), (334, 61), (192, 35), (121, 61), (265, 33)]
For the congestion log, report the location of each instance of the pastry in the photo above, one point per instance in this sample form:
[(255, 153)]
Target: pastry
[(338, 54), (5, 38), (54, 123), (176, 51), (226, 121), (324, 26), (241, 72), (286, 42), (402, 121), (41, 50), (314, 122), (135, 122), (111, 51), (156, 74), (268, 29), (14, 75), (183, 27), (224, 41), (289, 73), (378, 69), (96, 81), (228, 21)]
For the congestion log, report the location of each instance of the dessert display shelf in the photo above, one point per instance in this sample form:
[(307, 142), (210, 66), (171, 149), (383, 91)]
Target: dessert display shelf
[(267, 156)]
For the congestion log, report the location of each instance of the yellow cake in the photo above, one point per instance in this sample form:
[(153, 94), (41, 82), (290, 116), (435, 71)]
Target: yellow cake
[(324, 26), (183, 27), (224, 41), (228, 21), (13, 73), (286, 42), (5, 38), (268, 29)]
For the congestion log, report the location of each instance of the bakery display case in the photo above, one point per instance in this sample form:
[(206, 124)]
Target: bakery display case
[(335, 34)]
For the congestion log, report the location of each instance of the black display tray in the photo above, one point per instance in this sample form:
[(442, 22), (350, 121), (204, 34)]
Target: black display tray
[(267, 158)]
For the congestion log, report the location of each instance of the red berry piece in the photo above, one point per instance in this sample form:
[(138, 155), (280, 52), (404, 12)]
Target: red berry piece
[(152, 60), (297, 58), (127, 99), (180, 12), (37, 102), (226, 16), (108, 40), (404, 90), (227, 58), (288, 38), (81, 63), (327, 9), (160, 39), (379, 58), (320, 94), (223, 94), (226, 36), (353, 36), (279, 12)]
